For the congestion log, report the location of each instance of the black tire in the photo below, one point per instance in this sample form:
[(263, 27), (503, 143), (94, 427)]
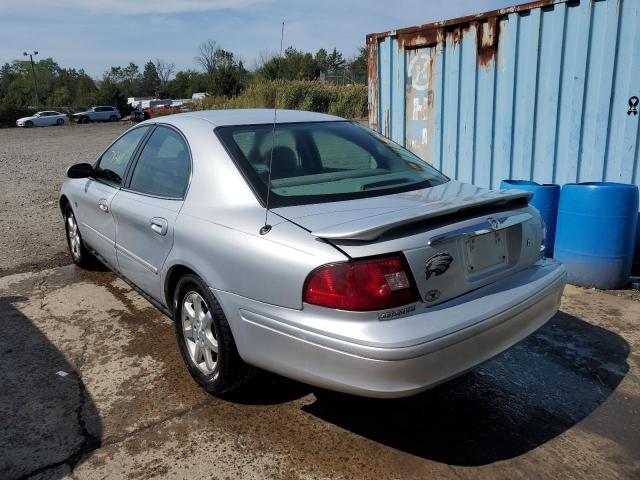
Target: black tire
[(79, 254), (113, 118), (28, 124), (83, 120), (59, 121), (230, 372)]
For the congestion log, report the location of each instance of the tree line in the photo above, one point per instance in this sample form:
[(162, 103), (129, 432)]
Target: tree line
[(218, 72)]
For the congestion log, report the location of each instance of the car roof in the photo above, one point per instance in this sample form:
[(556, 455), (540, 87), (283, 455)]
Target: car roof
[(253, 116)]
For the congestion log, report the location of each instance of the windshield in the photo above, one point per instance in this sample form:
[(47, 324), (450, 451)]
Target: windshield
[(324, 161)]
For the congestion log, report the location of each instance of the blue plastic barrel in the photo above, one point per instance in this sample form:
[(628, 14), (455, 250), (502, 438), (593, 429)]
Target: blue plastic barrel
[(545, 199), (596, 233), (635, 269)]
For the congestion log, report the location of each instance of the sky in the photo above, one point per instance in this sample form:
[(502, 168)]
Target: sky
[(96, 34)]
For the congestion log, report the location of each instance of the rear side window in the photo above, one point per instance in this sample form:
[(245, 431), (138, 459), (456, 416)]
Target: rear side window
[(164, 165), (113, 163)]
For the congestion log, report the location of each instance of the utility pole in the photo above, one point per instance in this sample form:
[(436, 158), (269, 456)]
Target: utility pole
[(33, 71)]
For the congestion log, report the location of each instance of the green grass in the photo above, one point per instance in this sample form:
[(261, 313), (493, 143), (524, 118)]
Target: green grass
[(349, 101)]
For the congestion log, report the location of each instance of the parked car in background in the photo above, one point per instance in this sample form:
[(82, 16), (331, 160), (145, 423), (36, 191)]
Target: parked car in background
[(163, 110), (43, 119), (370, 272), (98, 114)]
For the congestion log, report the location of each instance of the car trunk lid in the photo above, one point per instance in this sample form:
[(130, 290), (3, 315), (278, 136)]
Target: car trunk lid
[(456, 237)]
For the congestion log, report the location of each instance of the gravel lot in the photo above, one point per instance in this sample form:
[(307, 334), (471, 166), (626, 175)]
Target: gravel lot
[(33, 163)]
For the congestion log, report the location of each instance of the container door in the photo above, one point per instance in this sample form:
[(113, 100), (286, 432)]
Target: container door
[(419, 100)]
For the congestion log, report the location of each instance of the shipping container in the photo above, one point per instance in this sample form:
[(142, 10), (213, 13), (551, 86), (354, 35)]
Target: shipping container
[(545, 91)]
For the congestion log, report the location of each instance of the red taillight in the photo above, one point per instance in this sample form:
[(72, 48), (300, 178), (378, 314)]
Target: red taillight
[(373, 284)]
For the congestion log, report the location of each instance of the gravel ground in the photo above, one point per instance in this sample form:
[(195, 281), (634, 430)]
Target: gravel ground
[(33, 163)]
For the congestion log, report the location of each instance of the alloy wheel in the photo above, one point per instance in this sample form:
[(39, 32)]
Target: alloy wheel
[(74, 237), (199, 334)]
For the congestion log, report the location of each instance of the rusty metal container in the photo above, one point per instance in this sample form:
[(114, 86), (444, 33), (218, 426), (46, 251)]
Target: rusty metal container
[(545, 91)]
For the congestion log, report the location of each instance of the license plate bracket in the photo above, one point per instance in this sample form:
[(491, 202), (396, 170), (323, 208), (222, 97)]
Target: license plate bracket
[(486, 251)]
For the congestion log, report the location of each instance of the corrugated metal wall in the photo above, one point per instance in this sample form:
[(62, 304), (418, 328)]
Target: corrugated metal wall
[(541, 91)]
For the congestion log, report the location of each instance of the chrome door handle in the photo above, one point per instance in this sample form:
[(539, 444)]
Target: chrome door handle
[(102, 205), (159, 225)]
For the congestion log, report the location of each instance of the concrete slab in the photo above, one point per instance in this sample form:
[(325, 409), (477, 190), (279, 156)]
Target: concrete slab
[(565, 403)]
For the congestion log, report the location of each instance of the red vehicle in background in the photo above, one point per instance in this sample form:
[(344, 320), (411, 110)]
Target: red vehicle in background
[(156, 110), (162, 110)]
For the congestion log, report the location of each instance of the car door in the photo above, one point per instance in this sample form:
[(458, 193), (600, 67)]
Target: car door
[(145, 210), (55, 116), (40, 119), (52, 118), (93, 203)]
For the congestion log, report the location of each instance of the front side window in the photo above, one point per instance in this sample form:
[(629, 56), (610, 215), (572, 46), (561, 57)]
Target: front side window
[(113, 163), (319, 162), (164, 165)]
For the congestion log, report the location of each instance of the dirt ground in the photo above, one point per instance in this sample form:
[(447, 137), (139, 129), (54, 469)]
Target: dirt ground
[(33, 165), (565, 403), (92, 384)]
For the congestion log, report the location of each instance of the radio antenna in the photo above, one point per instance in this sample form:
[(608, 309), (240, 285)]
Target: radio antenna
[(266, 228)]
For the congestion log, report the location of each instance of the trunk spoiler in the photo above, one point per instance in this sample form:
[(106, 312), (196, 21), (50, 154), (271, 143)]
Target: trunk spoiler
[(370, 228)]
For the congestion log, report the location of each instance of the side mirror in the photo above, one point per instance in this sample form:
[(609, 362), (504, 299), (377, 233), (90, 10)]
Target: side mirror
[(80, 170)]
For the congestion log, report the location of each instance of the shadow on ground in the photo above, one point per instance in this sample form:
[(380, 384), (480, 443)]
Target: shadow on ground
[(522, 399), (49, 422)]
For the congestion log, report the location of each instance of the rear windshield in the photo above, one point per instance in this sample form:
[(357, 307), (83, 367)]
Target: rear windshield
[(323, 162)]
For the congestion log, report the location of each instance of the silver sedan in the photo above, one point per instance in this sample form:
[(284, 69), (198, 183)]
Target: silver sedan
[(43, 119), (311, 247)]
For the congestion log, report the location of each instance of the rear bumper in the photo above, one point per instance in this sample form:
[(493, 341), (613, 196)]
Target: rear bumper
[(398, 357)]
